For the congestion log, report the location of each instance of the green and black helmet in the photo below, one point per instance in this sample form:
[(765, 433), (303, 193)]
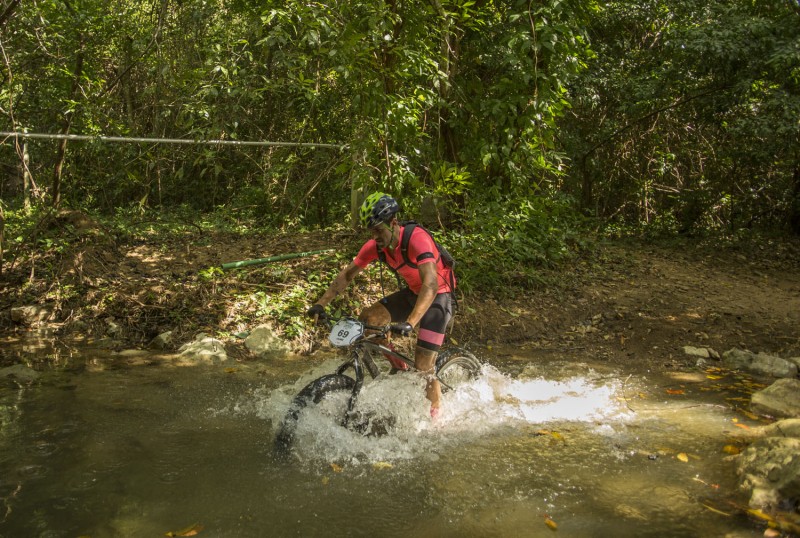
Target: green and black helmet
[(378, 208)]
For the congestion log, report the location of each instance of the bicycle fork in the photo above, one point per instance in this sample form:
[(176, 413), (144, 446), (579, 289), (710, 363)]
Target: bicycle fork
[(356, 363)]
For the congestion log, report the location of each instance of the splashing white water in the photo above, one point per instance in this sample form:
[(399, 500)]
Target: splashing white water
[(398, 410)]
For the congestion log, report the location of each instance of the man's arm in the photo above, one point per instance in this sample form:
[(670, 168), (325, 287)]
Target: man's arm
[(340, 283), (427, 294)]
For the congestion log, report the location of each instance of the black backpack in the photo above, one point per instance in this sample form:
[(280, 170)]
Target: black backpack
[(408, 228)]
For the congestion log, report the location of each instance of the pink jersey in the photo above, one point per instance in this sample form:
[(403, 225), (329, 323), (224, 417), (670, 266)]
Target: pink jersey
[(421, 249)]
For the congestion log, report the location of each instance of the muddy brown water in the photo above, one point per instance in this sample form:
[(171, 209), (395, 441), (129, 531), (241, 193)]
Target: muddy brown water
[(102, 447)]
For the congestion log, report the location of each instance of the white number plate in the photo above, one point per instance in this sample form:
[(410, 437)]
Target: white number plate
[(345, 332)]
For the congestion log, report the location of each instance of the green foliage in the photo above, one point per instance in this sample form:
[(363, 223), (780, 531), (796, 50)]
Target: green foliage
[(510, 242), (686, 121)]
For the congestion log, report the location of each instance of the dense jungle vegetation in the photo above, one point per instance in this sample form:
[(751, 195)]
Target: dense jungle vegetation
[(513, 127)]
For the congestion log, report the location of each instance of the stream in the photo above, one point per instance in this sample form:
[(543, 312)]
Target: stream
[(99, 446)]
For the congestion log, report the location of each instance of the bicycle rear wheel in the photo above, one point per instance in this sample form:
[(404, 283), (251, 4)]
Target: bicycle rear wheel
[(456, 366), (314, 392)]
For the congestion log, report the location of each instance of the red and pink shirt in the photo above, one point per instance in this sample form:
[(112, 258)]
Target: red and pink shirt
[(421, 249)]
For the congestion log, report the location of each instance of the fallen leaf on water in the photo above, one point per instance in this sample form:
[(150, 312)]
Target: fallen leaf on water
[(337, 468), (716, 511), (715, 486), (748, 414), (382, 465), (552, 524), (191, 530), (683, 457), (731, 449), (675, 391), (557, 436), (743, 426), (759, 514)]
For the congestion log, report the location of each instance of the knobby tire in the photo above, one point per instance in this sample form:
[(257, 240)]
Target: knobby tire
[(314, 392), (456, 366)]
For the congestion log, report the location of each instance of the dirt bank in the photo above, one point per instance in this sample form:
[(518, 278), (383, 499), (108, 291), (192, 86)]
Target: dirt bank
[(625, 303)]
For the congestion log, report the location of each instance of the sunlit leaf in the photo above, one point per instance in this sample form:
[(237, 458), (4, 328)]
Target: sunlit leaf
[(683, 457), (191, 530), (731, 449), (714, 377), (557, 436), (337, 468), (552, 524)]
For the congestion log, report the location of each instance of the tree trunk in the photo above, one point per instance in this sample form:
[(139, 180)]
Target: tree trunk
[(27, 178), (794, 211), (8, 12), (62, 145), (587, 186)]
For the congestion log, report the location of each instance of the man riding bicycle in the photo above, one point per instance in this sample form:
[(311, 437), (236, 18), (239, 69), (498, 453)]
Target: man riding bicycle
[(427, 300)]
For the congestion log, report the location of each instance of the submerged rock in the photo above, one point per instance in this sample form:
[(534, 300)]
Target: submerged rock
[(759, 363), (769, 471), (21, 372), (781, 399), (30, 315)]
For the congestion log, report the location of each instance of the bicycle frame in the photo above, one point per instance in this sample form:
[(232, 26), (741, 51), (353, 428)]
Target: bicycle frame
[(361, 357)]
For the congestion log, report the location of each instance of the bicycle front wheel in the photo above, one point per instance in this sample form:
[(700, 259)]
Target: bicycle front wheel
[(314, 392), (456, 366)]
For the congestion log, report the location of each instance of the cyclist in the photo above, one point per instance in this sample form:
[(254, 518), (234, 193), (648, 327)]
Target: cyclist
[(426, 301)]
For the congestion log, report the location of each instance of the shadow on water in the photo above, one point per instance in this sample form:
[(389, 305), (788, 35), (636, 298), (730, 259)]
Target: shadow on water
[(137, 451)]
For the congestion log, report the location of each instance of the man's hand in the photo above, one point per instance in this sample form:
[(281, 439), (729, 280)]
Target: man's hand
[(403, 328), (317, 312)]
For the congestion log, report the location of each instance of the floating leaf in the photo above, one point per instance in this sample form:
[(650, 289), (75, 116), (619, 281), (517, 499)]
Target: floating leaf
[(683, 457), (337, 468), (716, 511), (675, 391), (731, 449), (743, 426), (759, 514), (557, 436), (552, 524), (748, 414), (191, 530)]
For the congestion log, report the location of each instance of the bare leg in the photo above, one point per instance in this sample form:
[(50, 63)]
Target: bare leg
[(377, 314), (425, 361)]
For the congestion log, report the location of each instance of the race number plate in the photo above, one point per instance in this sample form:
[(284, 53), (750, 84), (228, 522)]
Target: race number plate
[(345, 332)]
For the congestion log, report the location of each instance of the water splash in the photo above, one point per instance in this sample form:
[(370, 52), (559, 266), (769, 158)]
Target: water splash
[(395, 406)]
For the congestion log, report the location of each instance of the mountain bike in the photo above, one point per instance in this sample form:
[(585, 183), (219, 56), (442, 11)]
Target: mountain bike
[(454, 366)]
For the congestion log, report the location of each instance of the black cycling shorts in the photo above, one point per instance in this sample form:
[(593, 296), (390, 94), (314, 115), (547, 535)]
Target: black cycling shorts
[(432, 326)]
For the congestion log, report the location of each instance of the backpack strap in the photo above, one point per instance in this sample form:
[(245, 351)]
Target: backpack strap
[(408, 228)]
